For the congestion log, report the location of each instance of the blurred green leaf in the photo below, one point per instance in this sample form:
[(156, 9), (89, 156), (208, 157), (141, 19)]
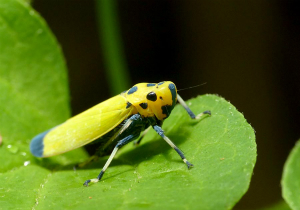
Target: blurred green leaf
[(34, 97), (290, 180)]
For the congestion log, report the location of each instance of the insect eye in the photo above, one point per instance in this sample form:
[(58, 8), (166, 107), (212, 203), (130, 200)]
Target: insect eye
[(151, 96)]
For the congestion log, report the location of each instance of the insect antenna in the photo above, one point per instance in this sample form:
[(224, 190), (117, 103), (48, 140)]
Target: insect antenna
[(192, 87)]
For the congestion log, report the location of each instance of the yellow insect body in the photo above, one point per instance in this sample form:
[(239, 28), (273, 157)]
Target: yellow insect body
[(87, 126), (154, 107), (120, 119)]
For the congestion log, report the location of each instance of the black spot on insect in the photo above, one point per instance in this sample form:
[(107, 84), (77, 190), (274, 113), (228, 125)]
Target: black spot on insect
[(144, 105), (166, 110), (128, 105), (150, 84), (160, 83), (132, 90), (161, 98), (151, 96)]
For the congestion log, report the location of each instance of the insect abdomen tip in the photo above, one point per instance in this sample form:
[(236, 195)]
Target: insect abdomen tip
[(37, 144)]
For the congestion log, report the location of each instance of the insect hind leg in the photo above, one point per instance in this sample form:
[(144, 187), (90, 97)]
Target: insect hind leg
[(121, 143), (137, 142)]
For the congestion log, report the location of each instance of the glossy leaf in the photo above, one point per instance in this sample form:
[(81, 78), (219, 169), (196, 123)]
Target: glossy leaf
[(290, 181), (34, 97)]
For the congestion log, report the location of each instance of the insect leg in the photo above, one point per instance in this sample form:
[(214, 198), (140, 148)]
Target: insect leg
[(189, 111), (88, 161), (120, 143), (122, 129), (160, 132), (137, 142)]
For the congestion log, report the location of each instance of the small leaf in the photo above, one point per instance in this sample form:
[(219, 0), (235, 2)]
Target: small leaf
[(290, 180)]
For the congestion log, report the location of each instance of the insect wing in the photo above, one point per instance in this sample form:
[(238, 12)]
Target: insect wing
[(82, 129)]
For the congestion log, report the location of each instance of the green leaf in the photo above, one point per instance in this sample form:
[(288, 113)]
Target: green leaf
[(290, 180), (221, 147), (20, 187), (34, 97)]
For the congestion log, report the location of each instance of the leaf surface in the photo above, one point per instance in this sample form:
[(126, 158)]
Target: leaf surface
[(34, 97), (221, 147), (290, 180)]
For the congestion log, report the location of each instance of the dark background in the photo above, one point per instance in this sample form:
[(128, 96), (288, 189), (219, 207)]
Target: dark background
[(246, 51)]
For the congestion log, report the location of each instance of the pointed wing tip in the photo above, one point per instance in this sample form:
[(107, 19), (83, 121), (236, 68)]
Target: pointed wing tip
[(37, 144)]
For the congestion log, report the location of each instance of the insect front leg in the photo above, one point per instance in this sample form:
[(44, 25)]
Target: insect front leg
[(120, 143), (189, 111), (160, 132)]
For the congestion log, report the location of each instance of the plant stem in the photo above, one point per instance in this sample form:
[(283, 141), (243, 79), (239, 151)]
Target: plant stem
[(113, 52)]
